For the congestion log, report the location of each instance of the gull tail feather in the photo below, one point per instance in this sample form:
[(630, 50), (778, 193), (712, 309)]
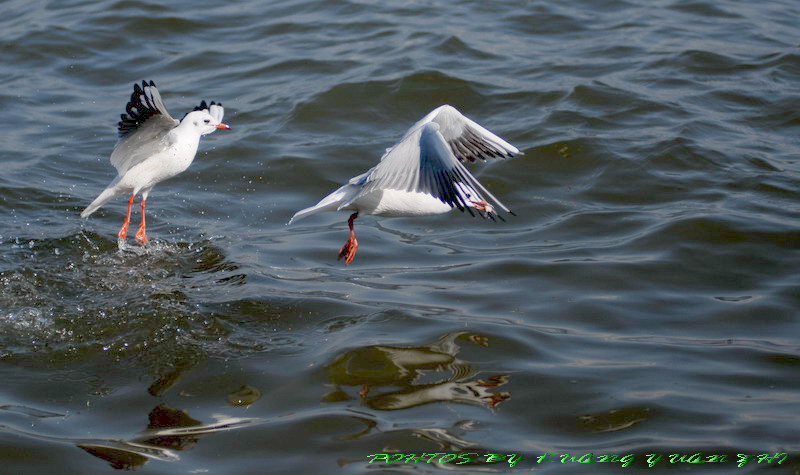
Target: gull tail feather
[(107, 195), (331, 202)]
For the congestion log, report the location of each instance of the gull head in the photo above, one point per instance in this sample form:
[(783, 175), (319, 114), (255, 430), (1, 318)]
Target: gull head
[(206, 119)]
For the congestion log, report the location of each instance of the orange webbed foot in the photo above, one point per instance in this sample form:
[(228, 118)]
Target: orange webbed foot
[(141, 237), (349, 250), (351, 246), (364, 391), (122, 235)]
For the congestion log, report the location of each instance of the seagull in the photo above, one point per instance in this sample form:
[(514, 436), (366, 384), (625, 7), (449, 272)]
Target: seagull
[(153, 147), (422, 175)]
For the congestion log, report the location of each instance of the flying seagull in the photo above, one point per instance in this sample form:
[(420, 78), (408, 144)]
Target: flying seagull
[(422, 175)]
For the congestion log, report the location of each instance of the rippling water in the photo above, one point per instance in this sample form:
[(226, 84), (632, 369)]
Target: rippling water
[(644, 300)]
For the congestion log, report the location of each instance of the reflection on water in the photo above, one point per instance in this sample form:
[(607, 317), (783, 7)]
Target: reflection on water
[(29, 411), (244, 396), (395, 378), (168, 430), (614, 420), (474, 392), (168, 377), (417, 375)]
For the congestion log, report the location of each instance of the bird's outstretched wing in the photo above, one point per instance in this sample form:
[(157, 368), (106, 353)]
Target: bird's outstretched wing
[(144, 128), (467, 139), (428, 160)]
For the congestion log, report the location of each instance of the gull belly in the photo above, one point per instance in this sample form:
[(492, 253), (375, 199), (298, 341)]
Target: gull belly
[(399, 203)]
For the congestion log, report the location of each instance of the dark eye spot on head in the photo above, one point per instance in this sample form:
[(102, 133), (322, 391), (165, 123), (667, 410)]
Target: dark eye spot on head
[(206, 121)]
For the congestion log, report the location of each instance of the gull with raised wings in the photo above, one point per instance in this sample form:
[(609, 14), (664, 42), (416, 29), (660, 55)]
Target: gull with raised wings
[(153, 147), (422, 175)]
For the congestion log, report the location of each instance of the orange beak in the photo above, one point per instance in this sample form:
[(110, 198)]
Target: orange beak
[(224, 126)]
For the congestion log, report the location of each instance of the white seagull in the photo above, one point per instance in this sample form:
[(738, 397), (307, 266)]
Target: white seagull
[(153, 147), (422, 175)]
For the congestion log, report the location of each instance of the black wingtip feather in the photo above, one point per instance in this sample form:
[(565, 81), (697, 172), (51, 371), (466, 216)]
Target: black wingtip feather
[(202, 106), (137, 112)]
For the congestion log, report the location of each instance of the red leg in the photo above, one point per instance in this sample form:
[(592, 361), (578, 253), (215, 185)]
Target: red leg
[(364, 391), (141, 234), (123, 231), (351, 246)]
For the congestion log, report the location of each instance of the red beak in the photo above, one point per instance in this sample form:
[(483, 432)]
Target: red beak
[(224, 126)]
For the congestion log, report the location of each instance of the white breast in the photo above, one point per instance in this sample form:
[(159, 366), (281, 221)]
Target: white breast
[(396, 203), (161, 166)]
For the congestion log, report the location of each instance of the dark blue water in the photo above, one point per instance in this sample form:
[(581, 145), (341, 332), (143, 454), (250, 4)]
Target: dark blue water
[(644, 300)]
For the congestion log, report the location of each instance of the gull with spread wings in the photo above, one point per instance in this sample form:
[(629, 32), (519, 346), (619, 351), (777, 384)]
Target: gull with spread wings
[(153, 147), (422, 175)]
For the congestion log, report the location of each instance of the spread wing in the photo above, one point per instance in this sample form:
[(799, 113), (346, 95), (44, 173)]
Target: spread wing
[(144, 128), (428, 160), (467, 139)]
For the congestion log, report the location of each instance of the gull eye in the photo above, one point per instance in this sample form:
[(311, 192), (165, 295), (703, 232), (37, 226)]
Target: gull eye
[(206, 121)]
